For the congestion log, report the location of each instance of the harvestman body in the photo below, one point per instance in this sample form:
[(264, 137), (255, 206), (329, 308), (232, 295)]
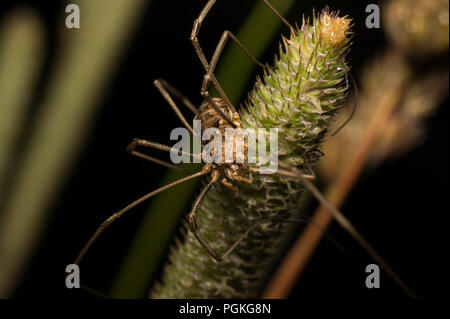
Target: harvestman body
[(220, 113)]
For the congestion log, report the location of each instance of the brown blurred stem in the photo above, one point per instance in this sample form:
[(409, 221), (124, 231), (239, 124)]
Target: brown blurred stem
[(299, 255)]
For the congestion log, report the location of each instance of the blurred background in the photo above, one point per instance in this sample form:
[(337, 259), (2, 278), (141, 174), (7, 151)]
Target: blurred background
[(72, 99)]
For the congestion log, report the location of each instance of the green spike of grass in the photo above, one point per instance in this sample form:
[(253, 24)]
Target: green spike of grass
[(297, 103)]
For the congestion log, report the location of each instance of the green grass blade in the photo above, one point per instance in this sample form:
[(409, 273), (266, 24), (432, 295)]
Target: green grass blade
[(21, 55), (62, 125)]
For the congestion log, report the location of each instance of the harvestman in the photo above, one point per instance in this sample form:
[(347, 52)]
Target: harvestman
[(220, 113)]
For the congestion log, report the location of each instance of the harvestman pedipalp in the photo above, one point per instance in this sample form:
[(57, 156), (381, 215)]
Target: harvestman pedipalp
[(220, 113)]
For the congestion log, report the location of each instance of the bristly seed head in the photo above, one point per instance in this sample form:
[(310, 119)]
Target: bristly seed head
[(306, 86), (299, 96), (333, 29)]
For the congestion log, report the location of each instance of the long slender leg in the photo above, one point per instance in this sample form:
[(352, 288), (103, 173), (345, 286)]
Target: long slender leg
[(180, 96), (211, 251), (223, 40), (217, 257), (193, 224), (278, 14), (284, 173), (218, 52), (195, 31), (201, 55), (206, 170), (209, 76), (144, 143), (289, 171), (135, 143), (348, 226), (94, 292), (263, 221), (164, 88), (355, 105), (157, 161)]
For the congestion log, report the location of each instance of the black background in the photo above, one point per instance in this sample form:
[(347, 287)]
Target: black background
[(401, 208)]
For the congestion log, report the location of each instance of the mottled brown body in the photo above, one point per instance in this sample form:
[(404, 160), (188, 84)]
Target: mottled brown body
[(210, 118)]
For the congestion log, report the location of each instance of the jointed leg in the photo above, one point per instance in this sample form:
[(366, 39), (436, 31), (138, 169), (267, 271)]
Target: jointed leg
[(164, 88), (355, 104), (131, 150), (238, 178), (278, 14), (284, 173), (210, 67), (244, 179), (193, 224), (348, 226), (295, 171), (196, 31), (210, 76), (253, 227), (115, 216), (144, 143), (296, 174), (217, 54), (228, 185), (212, 252), (281, 220), (223, 40), (94, 292), (180, 96)]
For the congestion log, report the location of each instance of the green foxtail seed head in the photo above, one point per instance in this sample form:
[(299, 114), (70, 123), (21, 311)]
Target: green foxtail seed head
[(333, 29), (299, 96)]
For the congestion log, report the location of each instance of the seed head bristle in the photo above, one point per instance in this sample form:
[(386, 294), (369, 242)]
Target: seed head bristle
[(333, 28)]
